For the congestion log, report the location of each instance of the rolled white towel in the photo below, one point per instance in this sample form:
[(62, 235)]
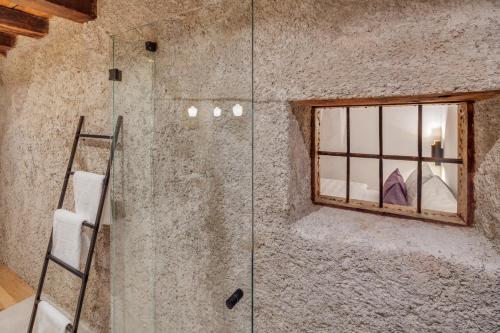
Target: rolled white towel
[(50, 320), (67, 237), (88, 187)]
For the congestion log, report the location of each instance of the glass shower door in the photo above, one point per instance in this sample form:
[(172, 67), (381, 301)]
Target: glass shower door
[(193, 83), (132, 239)]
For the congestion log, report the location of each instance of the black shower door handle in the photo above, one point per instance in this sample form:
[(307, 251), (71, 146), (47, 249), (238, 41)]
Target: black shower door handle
[(234, 299)]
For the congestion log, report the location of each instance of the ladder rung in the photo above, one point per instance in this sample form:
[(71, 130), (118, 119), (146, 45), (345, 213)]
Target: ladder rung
[(89, 225), (66, 266), (96, 136)]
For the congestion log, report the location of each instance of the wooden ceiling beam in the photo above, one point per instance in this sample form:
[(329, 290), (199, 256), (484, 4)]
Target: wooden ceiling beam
[(76, 10), (16, 22), (10, 4), (7, 41), (4, 49)]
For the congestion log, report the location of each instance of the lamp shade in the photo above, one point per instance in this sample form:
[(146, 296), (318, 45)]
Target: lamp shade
[(436, 133), (237, 110), (192, 111), (217, 112)]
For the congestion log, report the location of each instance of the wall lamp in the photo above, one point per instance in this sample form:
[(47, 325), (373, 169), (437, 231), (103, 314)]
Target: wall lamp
[(437, 149)]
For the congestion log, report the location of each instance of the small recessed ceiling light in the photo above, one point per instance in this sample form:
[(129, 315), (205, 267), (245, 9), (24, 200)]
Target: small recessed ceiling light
[(217, 112), (237, 110), (192, 112)]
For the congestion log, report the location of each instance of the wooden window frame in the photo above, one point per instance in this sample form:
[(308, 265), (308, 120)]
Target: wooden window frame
[(465, 160)]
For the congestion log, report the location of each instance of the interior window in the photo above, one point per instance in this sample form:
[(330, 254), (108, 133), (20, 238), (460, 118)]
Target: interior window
[(404, 159)]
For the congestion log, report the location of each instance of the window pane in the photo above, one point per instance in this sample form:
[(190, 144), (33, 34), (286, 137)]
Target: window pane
[(364, 130), (332, 170), (333, 129), (364, 179), (440, 130), (400, 130), (439, 192), (400, 183)]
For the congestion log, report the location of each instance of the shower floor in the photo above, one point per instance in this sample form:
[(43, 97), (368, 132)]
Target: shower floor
[(12, 288)]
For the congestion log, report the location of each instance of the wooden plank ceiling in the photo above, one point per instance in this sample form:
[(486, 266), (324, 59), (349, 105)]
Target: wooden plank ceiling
[(30, 18)]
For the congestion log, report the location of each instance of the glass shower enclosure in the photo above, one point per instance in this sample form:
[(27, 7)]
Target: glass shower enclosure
[(182, 180)]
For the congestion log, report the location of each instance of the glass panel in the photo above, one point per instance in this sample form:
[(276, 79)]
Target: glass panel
[(184, 182), (364, 179), (439, 192), (364, 130), (333, 129), (400, 183), (400, 130), (440, 130), (132, 241), (332, 170)]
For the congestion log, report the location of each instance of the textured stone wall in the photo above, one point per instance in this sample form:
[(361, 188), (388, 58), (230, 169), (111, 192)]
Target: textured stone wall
[(315, 269), (487, 146), (45, 85), (331, 270), (367, 273)]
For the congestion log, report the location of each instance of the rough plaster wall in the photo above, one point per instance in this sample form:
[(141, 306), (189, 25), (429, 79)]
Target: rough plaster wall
[(366, 48), (315, 49), (334, 270), (202, 219), (367, 273), (46, 84), (4, 100), (487, 146), (203, 170), (375, 274)]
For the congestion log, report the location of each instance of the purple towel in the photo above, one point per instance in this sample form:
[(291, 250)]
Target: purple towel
[(395, 189)]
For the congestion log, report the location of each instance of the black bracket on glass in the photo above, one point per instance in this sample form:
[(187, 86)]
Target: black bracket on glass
[(234, 299), (115, 74), (151, 46)]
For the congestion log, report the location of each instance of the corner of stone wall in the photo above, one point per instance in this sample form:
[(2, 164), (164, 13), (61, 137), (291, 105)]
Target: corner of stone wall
[(487, 175), (299, 137), (4, 103)]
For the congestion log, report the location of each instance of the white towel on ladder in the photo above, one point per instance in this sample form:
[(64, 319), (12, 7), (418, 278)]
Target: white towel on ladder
[(67, 237), (50, 320), (88, 187)]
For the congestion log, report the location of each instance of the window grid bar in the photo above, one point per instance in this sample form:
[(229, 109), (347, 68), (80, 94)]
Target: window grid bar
[(315, 181), (348, 159), (380, 161), (392, 157), (419, 167)]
